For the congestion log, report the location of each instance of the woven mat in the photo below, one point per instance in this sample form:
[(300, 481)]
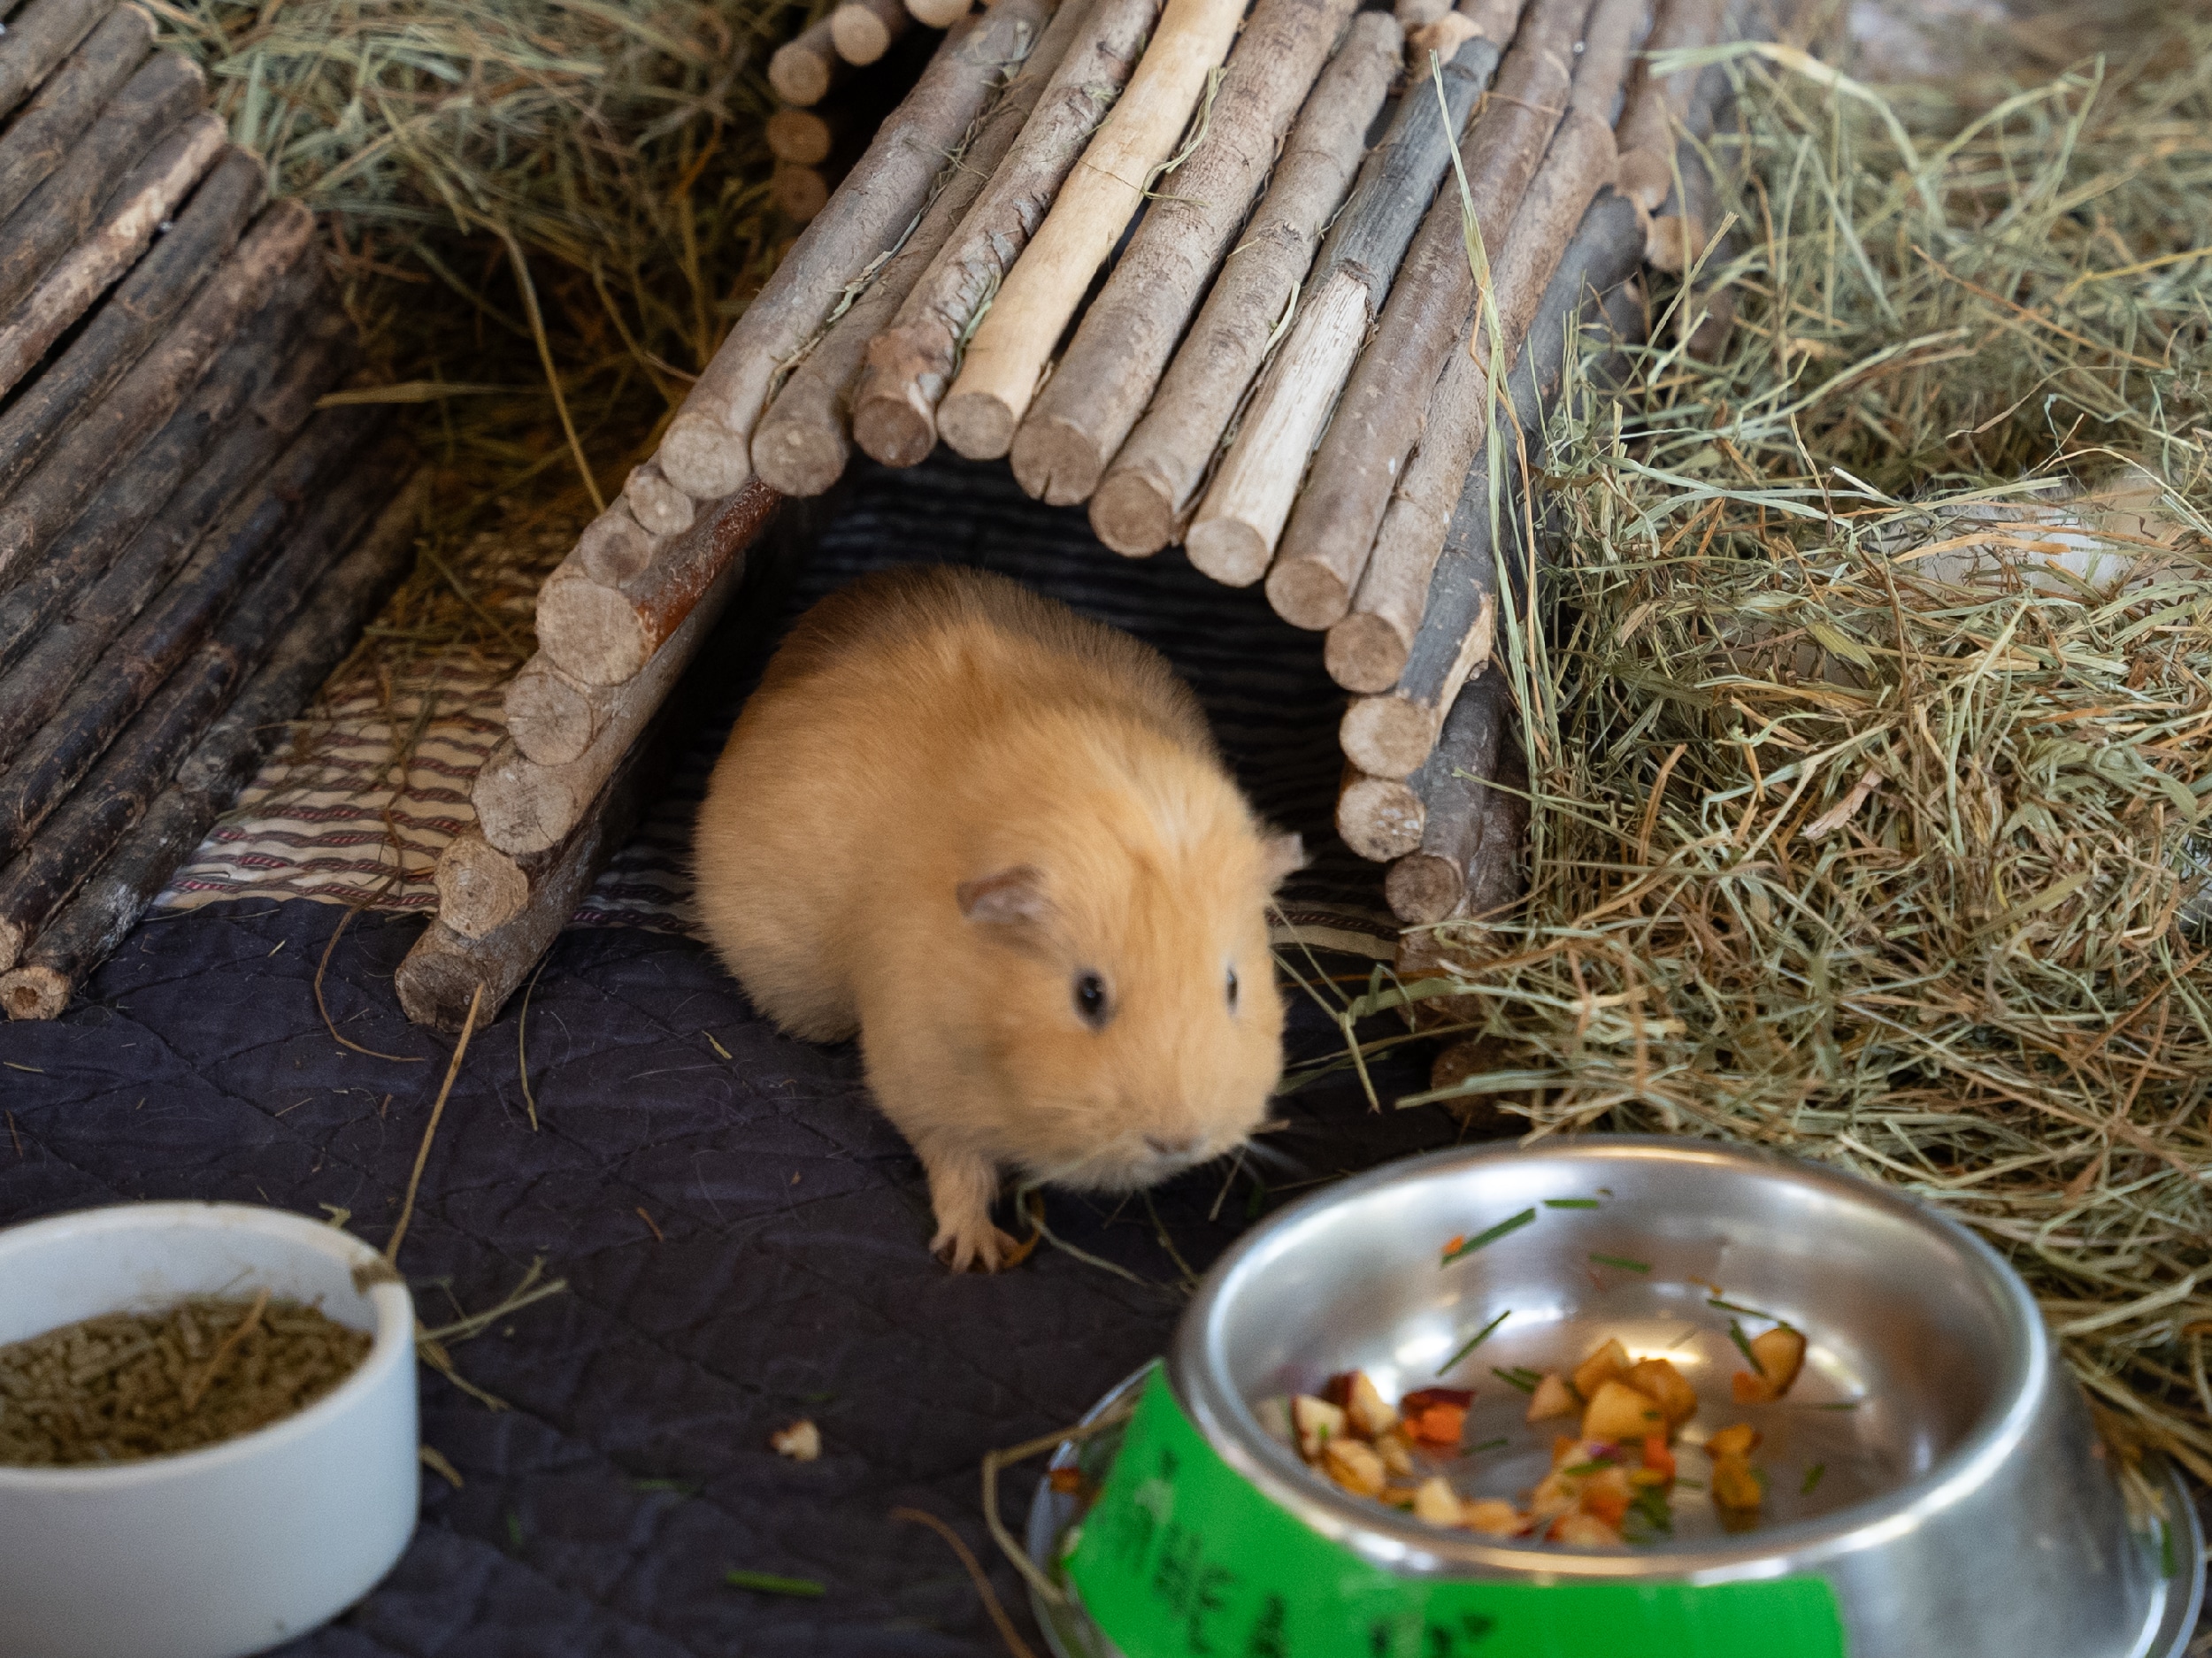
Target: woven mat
[(356, 810)]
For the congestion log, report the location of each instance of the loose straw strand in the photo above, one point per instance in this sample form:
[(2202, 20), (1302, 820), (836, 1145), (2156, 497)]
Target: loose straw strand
[(1008, 1633), (422, 1152)]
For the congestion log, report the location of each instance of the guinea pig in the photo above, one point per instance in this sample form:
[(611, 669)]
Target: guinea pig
[(997, 842)]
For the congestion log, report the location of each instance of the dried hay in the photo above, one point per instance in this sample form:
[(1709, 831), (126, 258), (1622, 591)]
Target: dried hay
[(544, 214), (1872, 720)]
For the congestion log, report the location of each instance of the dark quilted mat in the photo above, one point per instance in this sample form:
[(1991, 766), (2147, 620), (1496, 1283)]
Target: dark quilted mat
[(744, 1238), (782, 1272)]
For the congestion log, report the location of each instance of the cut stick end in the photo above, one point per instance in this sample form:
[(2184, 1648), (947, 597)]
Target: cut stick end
[(800, 136), (1306, 593), (1229, 550), (591, 632), (795, 457), (703, 457), (1387, 736), (1380, 818), (937, 14), (858, 33), (1364, 653), (1056, 461), (34, 993), (1132, 515), (798, 75), (1423, 888), (14, 936), (978, 424), (892, 431)]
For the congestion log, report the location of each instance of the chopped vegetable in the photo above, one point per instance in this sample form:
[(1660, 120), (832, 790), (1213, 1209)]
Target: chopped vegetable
[(1459, 1246), (1434, 1502), (1552, 1398), (1354, 1466), (1525, 1380), (1365, 1407), (1439, 1426), (1572, 1202), (801, 1442), (1488, 1445), (1315, 1422), (1812, 1479), (1492, 1516), (1608, 1364), (1622, 1261), (1396, 1451), (1474, 1341), (1620, 1414), (1658, 1378), (1780, 1354), (1738, 1439), (1584, 1531), (1735, 1486)]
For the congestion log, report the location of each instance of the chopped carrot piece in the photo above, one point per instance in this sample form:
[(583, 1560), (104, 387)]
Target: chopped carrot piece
[(1657, 1458)]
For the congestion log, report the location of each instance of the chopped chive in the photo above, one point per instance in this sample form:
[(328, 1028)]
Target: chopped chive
[(1622, 1261), (1512, 1380), (1743, 1346), (1475, 1340), (2168, 1566), (1488, 1445), (1572, 1202), (1691, 1485), (1595, 1465), (1490, 1236), (768, 1583), (1812, 1479)]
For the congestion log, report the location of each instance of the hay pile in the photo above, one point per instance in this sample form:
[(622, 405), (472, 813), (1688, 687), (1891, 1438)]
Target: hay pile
[(1866, 826)]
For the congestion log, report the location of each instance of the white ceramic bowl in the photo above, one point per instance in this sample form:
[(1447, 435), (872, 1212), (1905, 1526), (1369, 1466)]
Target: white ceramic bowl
[(240, 1547)]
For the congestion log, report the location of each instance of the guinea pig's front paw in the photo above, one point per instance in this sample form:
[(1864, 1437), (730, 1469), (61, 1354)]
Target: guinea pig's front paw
[(973, 1241)]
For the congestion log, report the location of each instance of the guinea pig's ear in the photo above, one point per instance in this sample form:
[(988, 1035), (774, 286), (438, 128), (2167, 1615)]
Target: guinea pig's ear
[(1012, 898), (1282, 856)]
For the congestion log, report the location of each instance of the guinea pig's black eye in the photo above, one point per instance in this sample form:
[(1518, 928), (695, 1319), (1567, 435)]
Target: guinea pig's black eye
[(1090, 998), (1233, 990)]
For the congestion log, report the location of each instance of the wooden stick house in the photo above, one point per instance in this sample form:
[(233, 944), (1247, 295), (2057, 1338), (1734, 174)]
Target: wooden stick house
[(1286, 370)]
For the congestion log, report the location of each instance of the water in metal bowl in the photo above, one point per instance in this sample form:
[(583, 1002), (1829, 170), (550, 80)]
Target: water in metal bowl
[(1934, 1463)]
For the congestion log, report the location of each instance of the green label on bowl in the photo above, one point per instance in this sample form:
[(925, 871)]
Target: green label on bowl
[(1181, 1558)]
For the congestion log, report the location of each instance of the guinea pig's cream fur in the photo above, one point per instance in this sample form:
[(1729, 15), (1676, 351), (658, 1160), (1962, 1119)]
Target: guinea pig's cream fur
[(997, 842)]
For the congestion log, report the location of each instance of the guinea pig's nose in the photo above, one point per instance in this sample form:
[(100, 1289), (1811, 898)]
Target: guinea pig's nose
[(1181, 1148)]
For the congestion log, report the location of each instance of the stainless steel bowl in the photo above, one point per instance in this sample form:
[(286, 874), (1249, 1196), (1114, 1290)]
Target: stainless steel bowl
[(1964, 1506)]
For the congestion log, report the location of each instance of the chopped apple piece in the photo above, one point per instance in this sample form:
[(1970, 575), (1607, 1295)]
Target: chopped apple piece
[(1397, 1453), (1734, 1485), (1370, 1415), (1738, 1439), (1492, 1516), (1355, 1467), (1618, 1415), (1555, 1495), (1750, 1390), (1584, 1531), (1317, 1422), (1551, 1399), (1609, 1363), (1781, 1353), (1660, 1380), (1433, 1501), (1566, 1449), (1423, 1398)]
